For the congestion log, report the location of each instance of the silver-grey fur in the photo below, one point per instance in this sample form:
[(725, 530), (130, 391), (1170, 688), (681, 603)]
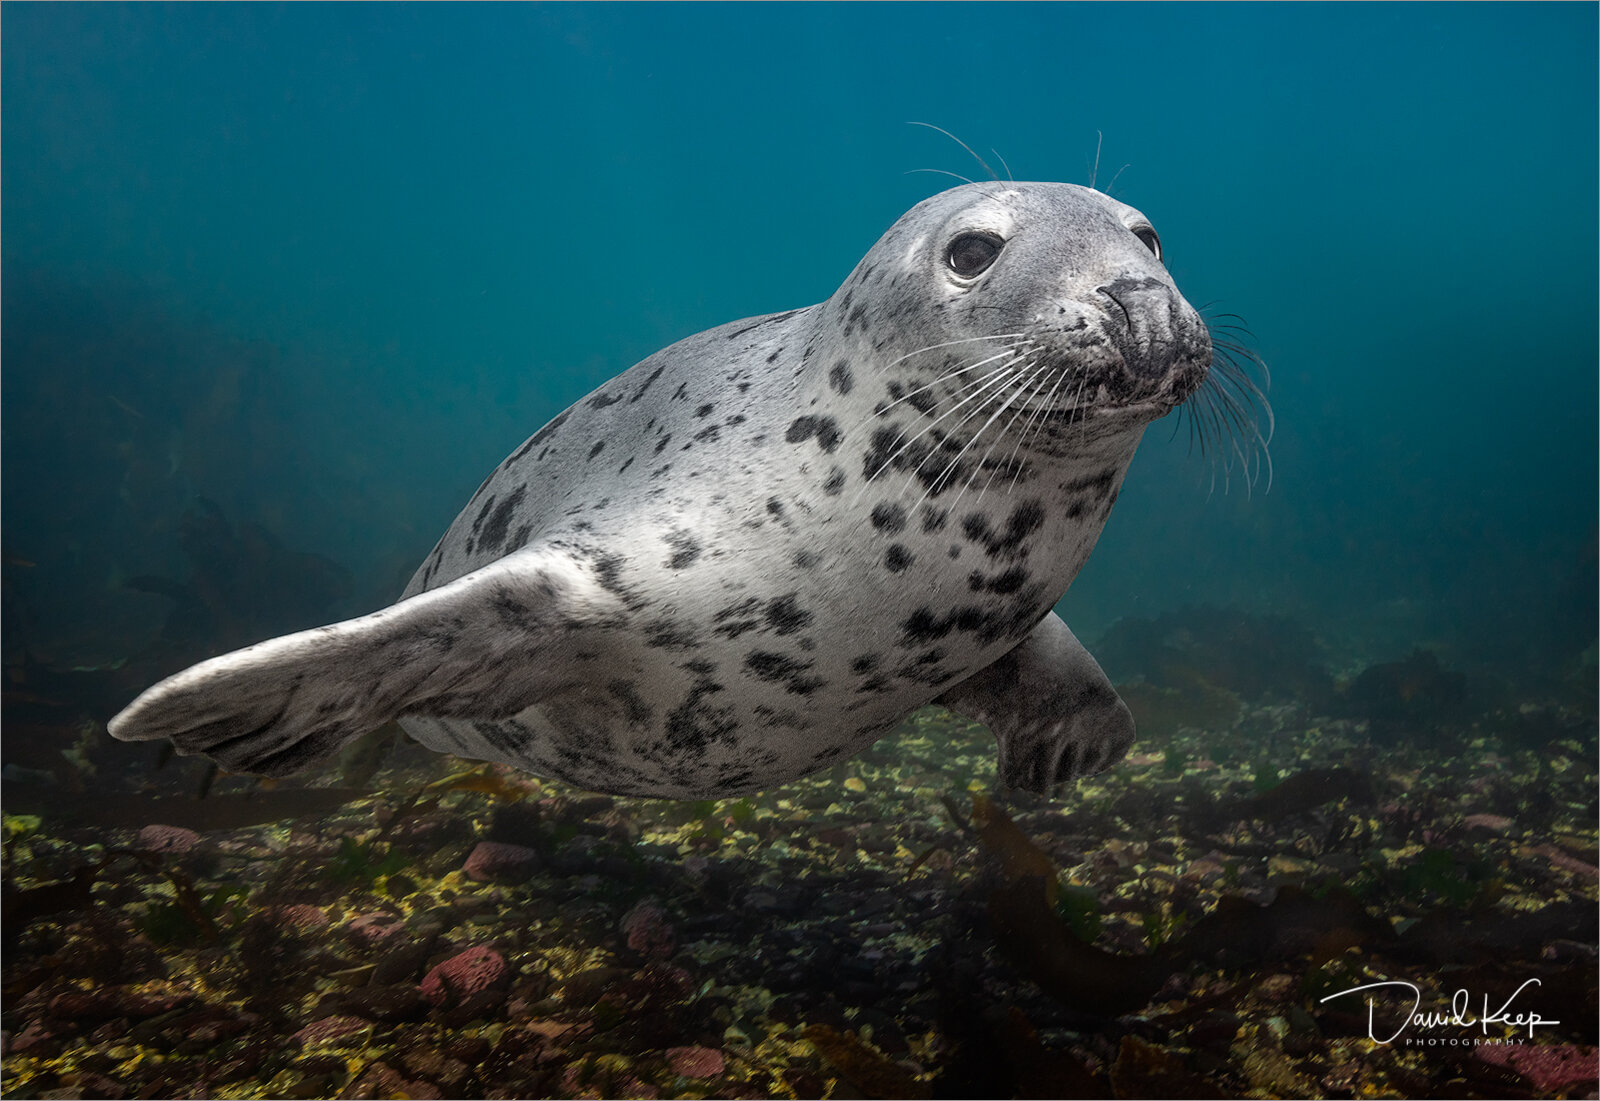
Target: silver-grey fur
[(754, 552)]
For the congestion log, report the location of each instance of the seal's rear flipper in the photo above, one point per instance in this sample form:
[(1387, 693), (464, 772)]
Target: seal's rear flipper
[(484, 646), (1050, 707)]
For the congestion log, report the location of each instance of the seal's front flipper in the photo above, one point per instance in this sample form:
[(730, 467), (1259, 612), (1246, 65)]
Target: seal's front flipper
[(484, 646), (1050, 707)]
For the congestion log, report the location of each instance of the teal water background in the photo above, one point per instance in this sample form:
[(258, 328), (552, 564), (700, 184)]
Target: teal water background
[(327, 264)]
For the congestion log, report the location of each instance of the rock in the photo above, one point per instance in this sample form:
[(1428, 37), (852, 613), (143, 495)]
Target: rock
[(649, 931), (108, 1003), (695, 1062), (392, 1004), (402, 964), (382, 1080), (1548, 1068), (464, 975), (500, 862), (300, 915), (375, 928), (331, 1030), (166, 839)]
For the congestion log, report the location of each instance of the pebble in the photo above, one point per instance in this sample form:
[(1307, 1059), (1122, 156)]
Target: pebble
[(500, 862), (465, 974)]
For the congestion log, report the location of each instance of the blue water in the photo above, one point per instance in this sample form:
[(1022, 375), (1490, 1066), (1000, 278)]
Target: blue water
[(327, 265)]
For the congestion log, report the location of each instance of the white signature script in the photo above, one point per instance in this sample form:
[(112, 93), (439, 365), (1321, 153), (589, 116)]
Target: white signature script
[(1458, 1016)]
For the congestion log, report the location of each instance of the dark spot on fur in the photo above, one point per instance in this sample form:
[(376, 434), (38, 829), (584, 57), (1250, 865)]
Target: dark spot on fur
[(597, 448), (840, 378), (888, 517), (661, 444), (639, 393), (670, 635), (540, 436), (608, 575), (735, 619), (625, 465), (600, 401), (483, 514), (991, 622), (633, 704), (775, 507), (681, 393), (804, 559), (866, 663), (933, 519), (898, 559), (685, 549), (835, 482), (773, 320), (705, 410), (494, 531), (785, 616), (774, 356), (780, 668), (824, 429), (694, 724), (710, 432)]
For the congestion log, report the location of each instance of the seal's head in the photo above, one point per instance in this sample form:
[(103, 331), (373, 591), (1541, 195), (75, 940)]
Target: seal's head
[(1050, 294)]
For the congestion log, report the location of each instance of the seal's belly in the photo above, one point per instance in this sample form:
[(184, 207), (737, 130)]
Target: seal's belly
[(737, 680)]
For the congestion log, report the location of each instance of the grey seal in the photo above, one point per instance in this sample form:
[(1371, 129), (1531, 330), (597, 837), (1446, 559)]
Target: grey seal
[(753, 553)]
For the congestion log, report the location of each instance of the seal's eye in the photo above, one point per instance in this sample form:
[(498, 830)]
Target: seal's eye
[(1151, 241), (971, 253)]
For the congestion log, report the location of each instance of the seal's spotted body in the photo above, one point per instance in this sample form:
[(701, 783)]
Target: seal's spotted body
[(755, 551)]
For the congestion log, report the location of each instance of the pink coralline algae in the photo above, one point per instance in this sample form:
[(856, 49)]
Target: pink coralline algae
[(301, 915), (167, 839), (1547, 1069), (464, 975), (374, 928), (330, 1030), (695, 1062), (648, 931), (496, 861)]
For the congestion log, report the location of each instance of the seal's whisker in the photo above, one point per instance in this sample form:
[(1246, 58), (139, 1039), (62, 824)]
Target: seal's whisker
[(948, 344), (941, 480), (1229, 416), (1035, 427), (1003, 164), (1028, 387), (947, 377), (938, 171), (1010, 397), (1000, 378), (993, 378), (985, 164)]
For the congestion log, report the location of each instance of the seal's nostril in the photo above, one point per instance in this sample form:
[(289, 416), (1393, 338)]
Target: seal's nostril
[(1127, 318)]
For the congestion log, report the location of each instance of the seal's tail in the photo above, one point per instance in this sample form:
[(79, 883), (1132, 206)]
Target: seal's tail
[(484, 646)]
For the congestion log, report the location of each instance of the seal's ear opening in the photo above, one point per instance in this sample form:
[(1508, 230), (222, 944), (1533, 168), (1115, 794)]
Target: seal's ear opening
[(972, 254)]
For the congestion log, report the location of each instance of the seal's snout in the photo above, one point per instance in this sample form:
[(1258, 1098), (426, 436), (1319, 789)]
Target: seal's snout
[(1163, 344)]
